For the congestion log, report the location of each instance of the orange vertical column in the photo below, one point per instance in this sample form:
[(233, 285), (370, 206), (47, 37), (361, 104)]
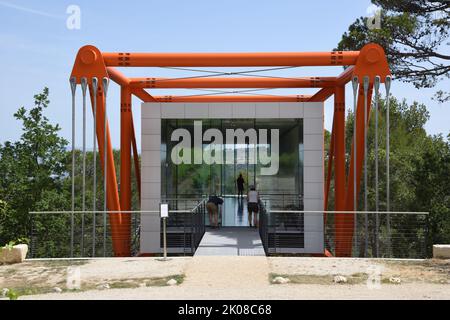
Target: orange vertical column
[(125, 162), (342, 233), (361, 124), (111, 190), (135, 157)]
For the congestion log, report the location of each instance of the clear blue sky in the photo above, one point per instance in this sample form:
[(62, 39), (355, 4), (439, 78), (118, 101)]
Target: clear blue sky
[(37, 50)]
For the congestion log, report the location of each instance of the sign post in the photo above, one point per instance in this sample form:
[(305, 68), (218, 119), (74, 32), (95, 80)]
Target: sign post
[(164, 212)]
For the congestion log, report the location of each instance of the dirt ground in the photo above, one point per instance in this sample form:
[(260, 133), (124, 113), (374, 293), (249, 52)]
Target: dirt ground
[(244, 277), (42, 276)]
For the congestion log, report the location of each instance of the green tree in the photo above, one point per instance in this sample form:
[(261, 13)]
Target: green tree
[(420, 175), (32, 170), (414, 34), (35, 175), (432, 178)]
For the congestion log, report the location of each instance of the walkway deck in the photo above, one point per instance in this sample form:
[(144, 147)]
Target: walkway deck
[(229, 241)]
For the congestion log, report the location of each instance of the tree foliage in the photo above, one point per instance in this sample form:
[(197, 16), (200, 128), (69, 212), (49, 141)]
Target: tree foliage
[(419, 171), (35, 175), (32, 170), (414, 34)]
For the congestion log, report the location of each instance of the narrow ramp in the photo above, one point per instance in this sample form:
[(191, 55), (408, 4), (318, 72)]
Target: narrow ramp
[(231, 241)]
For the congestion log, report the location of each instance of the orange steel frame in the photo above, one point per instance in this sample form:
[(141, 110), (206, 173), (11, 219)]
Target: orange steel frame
[(369, 61)]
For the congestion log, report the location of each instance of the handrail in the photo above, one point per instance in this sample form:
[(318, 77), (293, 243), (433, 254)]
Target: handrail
[(350, 212), (198, 205), (117, 212), (93, 211), (114, 211)]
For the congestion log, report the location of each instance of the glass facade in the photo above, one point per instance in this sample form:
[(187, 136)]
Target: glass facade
[(197, 178)]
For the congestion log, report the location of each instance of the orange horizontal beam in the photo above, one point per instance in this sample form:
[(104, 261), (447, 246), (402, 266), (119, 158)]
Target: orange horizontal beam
[(143, 95), (322, 95), (248, 82), (230, 59), (237, 98), (118, 77), (345, 76)]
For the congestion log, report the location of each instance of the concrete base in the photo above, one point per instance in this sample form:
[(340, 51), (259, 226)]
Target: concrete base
[(441, 251), (16, 254)]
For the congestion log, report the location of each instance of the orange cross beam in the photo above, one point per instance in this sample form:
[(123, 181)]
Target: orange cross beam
[(230, 98), (297, 59), (247, 82)]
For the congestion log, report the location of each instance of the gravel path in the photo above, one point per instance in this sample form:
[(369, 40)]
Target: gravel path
[(321, 266), (122, 268), (220, 278), (222, 273), (269, 292)]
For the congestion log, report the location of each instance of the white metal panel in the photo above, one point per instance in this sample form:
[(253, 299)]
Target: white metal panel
[(266, 110), (313, 110), (172, 111), (220, 111), (196, 110), (244, 111), (151, 111), (151, 126), (291, 110)]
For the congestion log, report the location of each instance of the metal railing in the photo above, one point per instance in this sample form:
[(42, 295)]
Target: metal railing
[(185, 228), (281, 231), (51, 231), (388, 235), (282, 201)]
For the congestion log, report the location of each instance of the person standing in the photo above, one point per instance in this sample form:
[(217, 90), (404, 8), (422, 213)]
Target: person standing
[(213, 210), (240, 185), (253, 206)]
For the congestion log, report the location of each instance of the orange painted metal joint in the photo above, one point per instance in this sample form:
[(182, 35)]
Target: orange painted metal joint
[(89, 64), (372, 62)]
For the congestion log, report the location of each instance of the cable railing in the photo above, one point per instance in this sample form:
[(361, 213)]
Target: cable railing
[(51, 231), (363, 234), (283, 231)]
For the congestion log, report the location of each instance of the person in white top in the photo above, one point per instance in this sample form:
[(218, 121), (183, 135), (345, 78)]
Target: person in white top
[(253, 206)]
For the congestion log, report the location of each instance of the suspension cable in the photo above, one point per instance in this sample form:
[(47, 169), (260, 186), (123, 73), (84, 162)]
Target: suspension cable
[(219, 73)]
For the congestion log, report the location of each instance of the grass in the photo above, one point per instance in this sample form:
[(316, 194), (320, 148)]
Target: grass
[(42, 276), (149, 282), (353, 279), (62, 263), (356, 278), (41, 288), (409, 271)]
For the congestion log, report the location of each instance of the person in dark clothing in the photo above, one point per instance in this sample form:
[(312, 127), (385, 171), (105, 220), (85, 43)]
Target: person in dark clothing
[(213, 210), (240, 185)]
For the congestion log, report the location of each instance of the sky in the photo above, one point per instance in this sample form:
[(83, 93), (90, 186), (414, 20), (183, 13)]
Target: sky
[(37, 49)]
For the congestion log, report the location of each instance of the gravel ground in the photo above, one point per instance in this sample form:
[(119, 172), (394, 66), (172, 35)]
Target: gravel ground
[(269, 292), (321, 266), (220, 278), (120, 268)]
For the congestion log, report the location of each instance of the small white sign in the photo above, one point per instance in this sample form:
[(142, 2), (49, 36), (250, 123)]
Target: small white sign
[(164, 210)]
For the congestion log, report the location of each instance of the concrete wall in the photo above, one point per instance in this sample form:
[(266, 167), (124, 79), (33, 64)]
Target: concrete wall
[(311, 112)]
